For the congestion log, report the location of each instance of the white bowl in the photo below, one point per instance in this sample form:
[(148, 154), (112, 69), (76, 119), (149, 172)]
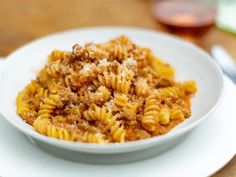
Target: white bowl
[(189, 61)]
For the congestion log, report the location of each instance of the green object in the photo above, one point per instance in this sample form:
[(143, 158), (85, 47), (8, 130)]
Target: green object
[(226, 19)]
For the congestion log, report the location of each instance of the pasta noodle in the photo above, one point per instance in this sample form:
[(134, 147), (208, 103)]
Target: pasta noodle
[(44, 126), (117, 82), (110, 92), (151, 111), (94, 138), (48, 105)]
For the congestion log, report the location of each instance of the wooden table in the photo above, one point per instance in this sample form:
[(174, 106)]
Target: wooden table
[(25, 20)]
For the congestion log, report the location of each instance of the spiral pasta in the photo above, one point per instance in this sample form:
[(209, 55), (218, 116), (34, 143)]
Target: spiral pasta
[(97, 113), (69, 81), (44, 126), (22, 106), (59, 133), (32, 88), (141, 87), (102, 115), (189, 87), (41, 124), (41, 93), (164, 116), (162, 69), (151, 113), (177, 114), (109, 92), (94, 138), (54, 69), (116, 82), (169, 92), (48, 106), (103, 93), (121, 100), (56, 55), (117, 130)]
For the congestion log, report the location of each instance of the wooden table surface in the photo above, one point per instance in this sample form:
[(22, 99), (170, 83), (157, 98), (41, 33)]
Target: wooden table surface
[(25, 20)]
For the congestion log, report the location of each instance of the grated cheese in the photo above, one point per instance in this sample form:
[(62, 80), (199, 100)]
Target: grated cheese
[(110, 105), (129, 62), (103, 63), (87, 68)]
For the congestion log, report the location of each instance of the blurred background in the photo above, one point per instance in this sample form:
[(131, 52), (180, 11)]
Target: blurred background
[(24, 20), (203, 22)]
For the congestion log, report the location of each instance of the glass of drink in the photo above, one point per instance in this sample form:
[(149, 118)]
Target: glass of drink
[(189, 20)]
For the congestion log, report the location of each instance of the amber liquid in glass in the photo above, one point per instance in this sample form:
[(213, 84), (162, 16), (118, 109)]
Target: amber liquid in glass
[(186, 19)]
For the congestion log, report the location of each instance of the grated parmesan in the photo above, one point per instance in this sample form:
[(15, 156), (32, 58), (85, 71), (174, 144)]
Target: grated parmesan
[(110, 105), (102, 87), (123, 74), (87, 68), (129, 62), (103, 63)]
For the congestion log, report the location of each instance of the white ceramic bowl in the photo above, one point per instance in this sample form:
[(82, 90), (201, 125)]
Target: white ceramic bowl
[(189, 61)]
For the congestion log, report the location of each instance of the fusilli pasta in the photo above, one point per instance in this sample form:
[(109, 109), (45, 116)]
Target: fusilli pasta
[(110, 92)]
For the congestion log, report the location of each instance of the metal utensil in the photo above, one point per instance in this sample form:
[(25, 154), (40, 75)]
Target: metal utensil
[(225, 61)]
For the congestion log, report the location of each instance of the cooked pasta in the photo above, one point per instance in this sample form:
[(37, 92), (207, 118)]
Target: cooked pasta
[(48, 105), (151, 113), (110, 92), (97, 113), (142, 87), (22, 106), (44, 126), (94, 138), (116, 82)]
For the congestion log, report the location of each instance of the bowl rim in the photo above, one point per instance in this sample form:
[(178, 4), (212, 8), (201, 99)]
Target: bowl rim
[(115, 147)]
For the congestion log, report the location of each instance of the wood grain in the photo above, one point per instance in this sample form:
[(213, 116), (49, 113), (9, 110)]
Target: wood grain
[(24, 20)]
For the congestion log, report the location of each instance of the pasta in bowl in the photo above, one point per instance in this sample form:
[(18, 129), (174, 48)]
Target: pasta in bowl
[(115, 91), (103, 105)]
